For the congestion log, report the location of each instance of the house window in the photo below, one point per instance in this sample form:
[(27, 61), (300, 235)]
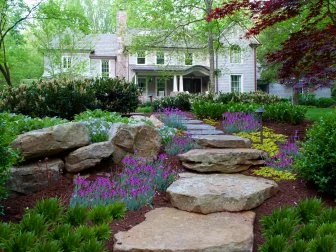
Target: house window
[(188, 59), (66, 62), (142, 84), (141, 58), (160, 58), (235, 83), (161, 87), (105, 68), (235, 54)]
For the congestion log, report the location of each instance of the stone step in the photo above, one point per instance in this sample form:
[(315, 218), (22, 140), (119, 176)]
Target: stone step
[(172, 230), (222, 141), (222, 160), (204, 132), (191, 121), (211, 193), (199, 127)]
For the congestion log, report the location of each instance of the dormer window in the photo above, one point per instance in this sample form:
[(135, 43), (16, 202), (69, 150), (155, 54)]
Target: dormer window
[(141, 57), (235, 54), (160, 60), (66, 62), (188, 59)]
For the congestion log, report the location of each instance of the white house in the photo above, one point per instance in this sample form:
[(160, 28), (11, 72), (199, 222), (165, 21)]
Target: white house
[(165, 70)]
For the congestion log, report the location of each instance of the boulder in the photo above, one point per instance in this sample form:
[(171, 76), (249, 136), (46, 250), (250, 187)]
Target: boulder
[(171, 230), (205, 132), (192, 126), (31, 178), (156, 122), (201, 193), (88, 156), (137, 138), (222, 141), (51, 141), (222, 160)]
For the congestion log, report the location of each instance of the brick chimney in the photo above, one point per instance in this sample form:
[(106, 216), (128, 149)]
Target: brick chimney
[(122, 62)]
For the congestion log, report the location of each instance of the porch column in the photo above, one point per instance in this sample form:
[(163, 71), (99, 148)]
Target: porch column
[(135, 79), (181, 83), (175, 84)]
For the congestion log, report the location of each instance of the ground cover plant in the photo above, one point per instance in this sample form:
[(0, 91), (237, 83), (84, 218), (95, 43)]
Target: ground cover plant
[(135, 186), (309, 226), (317, 162), (172, 117), (179, 144), (50, 227), (181, 101), (240, 122)]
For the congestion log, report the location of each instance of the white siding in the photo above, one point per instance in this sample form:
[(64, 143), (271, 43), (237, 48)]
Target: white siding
[(286, 92)]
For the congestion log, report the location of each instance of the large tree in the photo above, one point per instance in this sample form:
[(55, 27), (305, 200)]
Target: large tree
[(307, 53), (13, 14), (181, 22)]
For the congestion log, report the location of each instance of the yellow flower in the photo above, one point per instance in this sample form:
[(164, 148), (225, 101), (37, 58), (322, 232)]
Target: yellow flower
[(274, 174)]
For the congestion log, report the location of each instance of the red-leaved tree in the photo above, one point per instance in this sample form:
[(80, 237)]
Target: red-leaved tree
[(308, 56)]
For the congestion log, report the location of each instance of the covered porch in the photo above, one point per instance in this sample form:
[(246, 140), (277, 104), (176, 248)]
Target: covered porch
[(160, 82)]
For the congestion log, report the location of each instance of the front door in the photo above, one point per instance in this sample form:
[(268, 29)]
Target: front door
[(192, 85)]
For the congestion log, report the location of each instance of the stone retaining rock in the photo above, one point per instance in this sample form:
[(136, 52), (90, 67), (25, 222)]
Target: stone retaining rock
[(222, 160), (51, 141), (171, 230), (211, 193), (222, 141), (31, 178), (88, 156), (199, 127), (131, 138)]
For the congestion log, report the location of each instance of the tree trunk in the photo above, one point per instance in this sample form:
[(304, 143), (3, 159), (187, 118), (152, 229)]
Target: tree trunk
[(211, 51), (6, 73)]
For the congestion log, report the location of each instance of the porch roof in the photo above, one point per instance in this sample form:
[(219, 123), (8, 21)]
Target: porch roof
[(172, 69)]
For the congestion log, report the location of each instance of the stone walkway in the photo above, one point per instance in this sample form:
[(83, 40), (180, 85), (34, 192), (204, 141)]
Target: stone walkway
[(212, 211)]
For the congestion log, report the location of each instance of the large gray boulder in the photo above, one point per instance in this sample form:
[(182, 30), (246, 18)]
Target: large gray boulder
[(88, 156), (211, 193), (137, 138), (31, 178), (171, 230), (222, 160), (222, 141), (51, 141)]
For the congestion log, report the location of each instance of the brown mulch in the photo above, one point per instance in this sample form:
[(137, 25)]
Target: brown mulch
[(290, 192)]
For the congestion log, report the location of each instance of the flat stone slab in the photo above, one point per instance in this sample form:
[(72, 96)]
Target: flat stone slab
[(199, 127), (222, 160), (222, 141), (204, 132), (191, 121), (200, 193), (172, 230)]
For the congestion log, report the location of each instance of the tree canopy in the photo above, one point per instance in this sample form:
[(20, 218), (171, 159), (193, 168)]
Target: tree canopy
[(307, 53)]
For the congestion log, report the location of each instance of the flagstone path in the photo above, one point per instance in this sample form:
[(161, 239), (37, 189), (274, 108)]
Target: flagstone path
[(212, 211)]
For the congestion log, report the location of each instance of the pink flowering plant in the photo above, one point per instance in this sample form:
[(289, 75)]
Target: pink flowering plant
[(179, 144), (240, 122), (284, 159), (135, 186), (172, 117)]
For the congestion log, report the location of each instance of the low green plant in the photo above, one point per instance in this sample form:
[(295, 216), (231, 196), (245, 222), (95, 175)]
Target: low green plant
[(284, 112), (325, 102), (147, 109), (317, 161), (299, 228), (49, 227), (274, 174)]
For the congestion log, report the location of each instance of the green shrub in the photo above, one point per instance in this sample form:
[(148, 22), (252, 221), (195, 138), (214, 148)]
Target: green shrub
[(115, 95), (251, 97), (295, 229), (181, 101), (8, 157), (49, 227), (308, 99), (284, 112), (325, 102), (62, 98), (317, 162), (208, 110)]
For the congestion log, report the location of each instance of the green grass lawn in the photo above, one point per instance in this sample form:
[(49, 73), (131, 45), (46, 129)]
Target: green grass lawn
[(314, 114)]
